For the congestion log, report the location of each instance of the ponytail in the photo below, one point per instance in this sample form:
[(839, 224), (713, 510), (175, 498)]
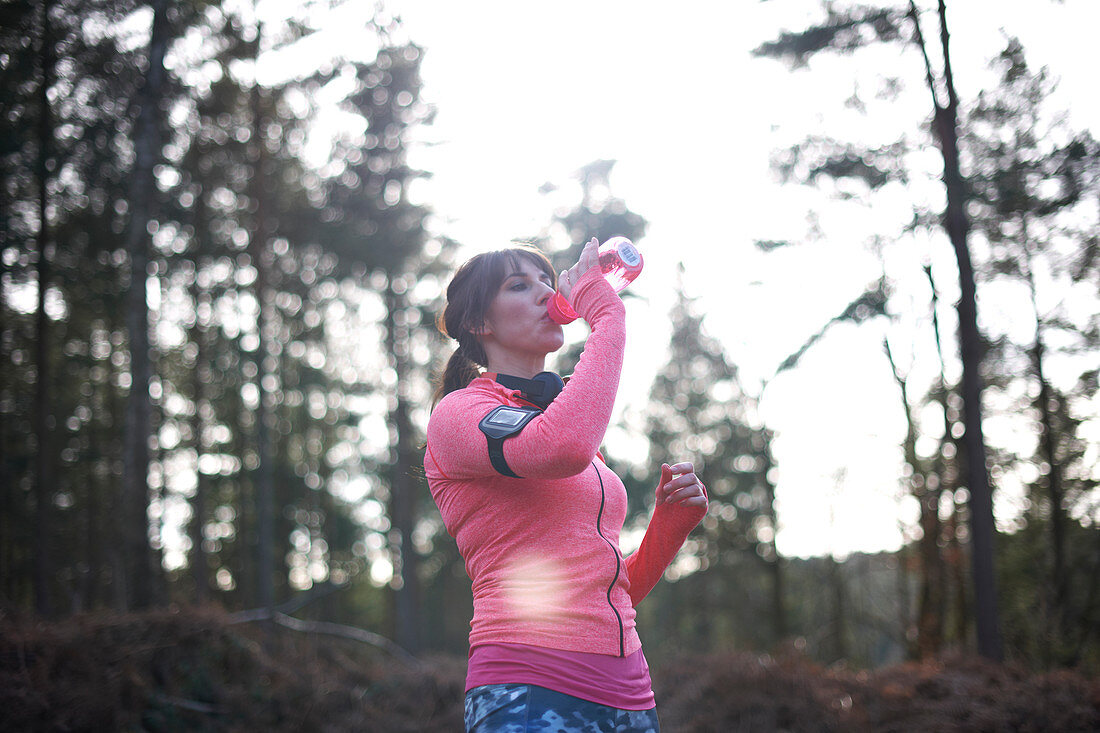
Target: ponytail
[(461, 369)]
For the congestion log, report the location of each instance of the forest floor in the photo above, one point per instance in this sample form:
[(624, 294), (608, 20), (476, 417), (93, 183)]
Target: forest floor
[(199, 670)]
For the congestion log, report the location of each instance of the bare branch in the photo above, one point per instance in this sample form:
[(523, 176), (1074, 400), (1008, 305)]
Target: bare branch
[(918, 37), (327, 628)]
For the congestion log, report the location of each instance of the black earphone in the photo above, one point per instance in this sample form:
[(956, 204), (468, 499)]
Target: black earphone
[(540, 389)]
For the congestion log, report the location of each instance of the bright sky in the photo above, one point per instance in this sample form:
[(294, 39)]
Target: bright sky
[(529, 92)]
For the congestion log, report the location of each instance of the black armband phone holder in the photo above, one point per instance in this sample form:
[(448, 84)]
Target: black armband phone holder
[(504, 422)]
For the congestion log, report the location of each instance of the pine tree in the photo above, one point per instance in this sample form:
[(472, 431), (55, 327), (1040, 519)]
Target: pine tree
[(1034, 185), (378, 235), (843, 31), (700, 411), (598, 213)]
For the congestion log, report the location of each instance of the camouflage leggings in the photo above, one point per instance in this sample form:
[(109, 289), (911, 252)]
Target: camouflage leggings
[(523, 708)]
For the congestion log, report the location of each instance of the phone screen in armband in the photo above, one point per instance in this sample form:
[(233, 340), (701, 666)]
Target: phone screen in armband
[(504, 422)]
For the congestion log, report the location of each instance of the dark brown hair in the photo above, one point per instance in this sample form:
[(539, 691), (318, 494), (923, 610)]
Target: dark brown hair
[(469, 296)]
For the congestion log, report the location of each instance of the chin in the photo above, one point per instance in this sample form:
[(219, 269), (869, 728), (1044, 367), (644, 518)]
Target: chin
[(549, 347)]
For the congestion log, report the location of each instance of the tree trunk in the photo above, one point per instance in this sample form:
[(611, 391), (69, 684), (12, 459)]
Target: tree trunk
[(775, 567), (137, 556), (10, 514), (956, 224), (403, 486), (840, 610), (1048, 446), (970, 345), (264, 483), (200, 376), (944, 469), (981, 492), (905, 605), (956, 564), (930, 604), (94, 523), (929, 618), (43, 483)]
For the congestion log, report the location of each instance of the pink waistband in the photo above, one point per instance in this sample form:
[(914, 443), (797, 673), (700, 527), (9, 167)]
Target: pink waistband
[(618, 682)]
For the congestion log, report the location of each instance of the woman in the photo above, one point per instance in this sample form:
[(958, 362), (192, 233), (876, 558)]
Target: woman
[(519, 481)]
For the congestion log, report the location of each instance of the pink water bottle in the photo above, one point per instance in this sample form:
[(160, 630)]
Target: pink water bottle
[(620, 261)]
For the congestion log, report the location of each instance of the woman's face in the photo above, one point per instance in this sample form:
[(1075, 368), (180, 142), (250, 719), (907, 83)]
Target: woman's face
[(516, 323)]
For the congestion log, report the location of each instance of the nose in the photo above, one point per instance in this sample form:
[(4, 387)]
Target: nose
[(545, 291)]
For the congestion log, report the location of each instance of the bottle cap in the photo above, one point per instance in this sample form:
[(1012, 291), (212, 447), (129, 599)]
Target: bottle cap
[(559, 314)]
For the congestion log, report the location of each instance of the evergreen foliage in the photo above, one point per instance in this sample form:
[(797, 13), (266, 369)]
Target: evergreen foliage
[(247, 268), (1034, 184), (289, 296), (1013, 181), (729, 571)]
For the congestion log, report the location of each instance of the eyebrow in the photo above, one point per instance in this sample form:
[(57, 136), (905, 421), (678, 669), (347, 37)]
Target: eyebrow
[(517, 273)]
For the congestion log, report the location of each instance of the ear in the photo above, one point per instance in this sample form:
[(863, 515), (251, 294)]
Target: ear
[(482, 330)]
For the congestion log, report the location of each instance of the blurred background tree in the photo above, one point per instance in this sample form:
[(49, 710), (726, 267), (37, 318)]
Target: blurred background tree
[(258, 413), (1010, 180), (589, 209), (1032, 175), (217, 316), (699, 407)]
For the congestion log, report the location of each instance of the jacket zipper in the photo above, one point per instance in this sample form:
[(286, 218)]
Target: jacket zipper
[(618, 562)]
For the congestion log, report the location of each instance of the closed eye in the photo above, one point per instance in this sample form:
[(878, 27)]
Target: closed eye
[(520, 281)]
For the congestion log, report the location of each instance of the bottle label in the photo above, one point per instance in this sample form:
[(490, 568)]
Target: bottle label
[(629, 255)]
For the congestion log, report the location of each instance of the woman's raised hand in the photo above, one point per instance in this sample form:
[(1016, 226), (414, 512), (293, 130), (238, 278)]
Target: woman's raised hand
[(589, 258), (679, 485)]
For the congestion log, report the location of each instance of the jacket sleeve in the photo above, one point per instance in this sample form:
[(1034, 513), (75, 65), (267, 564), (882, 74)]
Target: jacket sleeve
[(669, 526), (563, 440)]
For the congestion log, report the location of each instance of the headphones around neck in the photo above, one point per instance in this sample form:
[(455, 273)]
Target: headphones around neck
[(540, 389)]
